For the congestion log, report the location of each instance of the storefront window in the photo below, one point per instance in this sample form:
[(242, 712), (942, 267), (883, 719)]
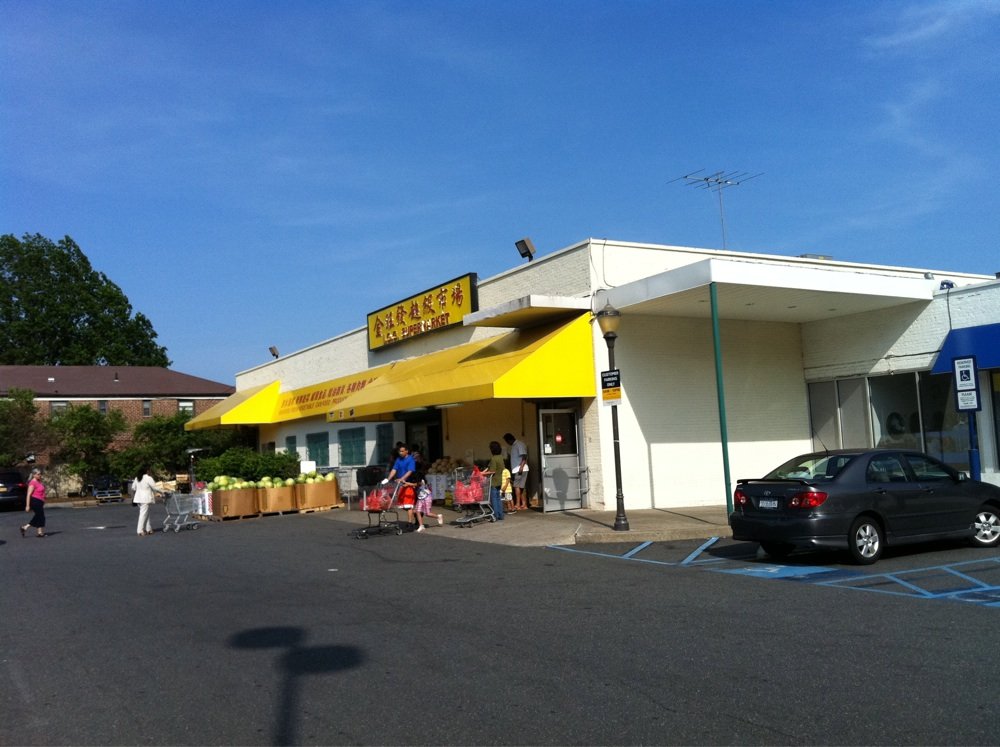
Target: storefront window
[(887, 408), (318, 448), (383, 443), (854, 419), (291, 445), (559, 433), (895, 417), (823, 412), (946, 431), (352, 446)]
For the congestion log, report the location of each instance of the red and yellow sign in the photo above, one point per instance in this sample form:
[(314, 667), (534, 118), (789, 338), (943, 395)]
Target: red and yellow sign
[(433, 309)]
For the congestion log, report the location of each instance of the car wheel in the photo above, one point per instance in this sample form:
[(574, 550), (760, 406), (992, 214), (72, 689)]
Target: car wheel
[(987, 525), (865, 540), (777, 549)]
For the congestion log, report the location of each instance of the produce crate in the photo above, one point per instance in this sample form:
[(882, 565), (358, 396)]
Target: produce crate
[(325, 494), (229, 503), (276, 500)]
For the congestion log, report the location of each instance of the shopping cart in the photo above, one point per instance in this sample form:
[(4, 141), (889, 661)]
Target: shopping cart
[(472, 496), (380, 503), (180, 507)]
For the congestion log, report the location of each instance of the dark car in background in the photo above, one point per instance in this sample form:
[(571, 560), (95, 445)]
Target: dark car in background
[(105, 488), (13, 490), (862, 501)]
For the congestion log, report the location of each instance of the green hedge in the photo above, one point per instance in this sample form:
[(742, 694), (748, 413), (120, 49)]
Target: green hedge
[(248, 464)]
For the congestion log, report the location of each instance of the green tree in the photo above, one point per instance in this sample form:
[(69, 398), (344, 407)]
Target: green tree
[(162, 444), (83, 436), (21, 430), (56, 309)]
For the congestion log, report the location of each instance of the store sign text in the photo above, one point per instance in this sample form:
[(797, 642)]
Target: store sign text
[(433, 309), (320, 398)]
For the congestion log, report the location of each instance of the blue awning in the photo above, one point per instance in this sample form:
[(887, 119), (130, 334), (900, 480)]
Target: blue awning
[(982, 341)]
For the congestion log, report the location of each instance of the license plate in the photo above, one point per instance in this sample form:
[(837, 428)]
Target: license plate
[(768, 504)]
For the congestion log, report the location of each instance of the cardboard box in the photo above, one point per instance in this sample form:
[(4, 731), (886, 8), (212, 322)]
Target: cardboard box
[(317, 495), (274, 500), (228, 503)]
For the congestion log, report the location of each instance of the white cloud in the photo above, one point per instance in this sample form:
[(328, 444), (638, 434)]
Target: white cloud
[(925, 23)]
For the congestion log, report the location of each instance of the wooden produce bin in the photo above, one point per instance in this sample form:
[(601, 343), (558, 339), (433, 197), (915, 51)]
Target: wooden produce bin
[(317, 495), (229, 503), (276, 500)]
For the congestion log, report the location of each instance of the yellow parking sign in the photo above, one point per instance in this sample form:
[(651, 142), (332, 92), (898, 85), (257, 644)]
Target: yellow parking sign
[(611, 387)]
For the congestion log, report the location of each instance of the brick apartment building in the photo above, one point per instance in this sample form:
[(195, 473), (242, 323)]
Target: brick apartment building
[(138, 392)]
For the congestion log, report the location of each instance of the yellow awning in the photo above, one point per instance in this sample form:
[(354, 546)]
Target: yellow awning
[(541, 362), (252, 406)]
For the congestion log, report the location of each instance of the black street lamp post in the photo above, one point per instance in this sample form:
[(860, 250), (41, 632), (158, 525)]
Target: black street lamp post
[(609, 318)]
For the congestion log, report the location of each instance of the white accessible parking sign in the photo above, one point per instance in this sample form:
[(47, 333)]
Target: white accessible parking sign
[(966, 384)]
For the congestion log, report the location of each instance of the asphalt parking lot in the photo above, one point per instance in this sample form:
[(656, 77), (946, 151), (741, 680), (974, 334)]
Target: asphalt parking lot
[(285, 630)]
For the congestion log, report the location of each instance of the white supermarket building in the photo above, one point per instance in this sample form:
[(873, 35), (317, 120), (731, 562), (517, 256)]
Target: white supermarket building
[(730, 363)]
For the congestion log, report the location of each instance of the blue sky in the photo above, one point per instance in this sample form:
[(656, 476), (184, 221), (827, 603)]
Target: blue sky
[(261, 173)]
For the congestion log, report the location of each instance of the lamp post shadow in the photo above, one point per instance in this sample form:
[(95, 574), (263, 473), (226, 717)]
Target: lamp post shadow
[(297, 661)]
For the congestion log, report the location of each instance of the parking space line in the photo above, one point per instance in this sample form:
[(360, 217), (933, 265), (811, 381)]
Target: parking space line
[(896, 579), (629, 556), (966, 577), (691, 558), (637, 549), (980, 592)]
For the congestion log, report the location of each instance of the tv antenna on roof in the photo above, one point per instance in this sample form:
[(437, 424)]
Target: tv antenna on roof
[(718, 181)]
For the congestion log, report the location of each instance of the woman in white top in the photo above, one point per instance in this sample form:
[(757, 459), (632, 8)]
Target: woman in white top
[(145, 492)]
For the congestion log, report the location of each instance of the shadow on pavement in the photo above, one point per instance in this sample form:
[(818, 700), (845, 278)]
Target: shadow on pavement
[(298, 661)]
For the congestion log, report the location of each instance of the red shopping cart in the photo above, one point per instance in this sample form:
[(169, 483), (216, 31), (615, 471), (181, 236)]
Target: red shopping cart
[(380, 503), (472, 495)]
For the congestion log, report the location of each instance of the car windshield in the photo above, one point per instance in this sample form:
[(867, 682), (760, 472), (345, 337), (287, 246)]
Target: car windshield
[(815, 467)]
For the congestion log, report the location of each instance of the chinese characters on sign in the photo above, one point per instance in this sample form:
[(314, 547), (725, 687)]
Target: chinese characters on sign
[(318, 399), (435, 308)]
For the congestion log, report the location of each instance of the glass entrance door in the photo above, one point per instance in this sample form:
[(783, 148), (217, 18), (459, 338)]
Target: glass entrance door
[(560, 462)]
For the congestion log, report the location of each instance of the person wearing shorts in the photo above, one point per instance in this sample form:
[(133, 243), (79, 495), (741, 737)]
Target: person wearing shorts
[(425, 502), (518, 470), (506, 491)]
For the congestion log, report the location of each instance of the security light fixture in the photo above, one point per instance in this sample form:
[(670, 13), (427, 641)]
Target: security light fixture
[(525, 248)]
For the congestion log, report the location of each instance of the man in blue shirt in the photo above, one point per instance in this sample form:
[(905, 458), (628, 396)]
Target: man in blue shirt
[(402, 470), (404, 466)]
